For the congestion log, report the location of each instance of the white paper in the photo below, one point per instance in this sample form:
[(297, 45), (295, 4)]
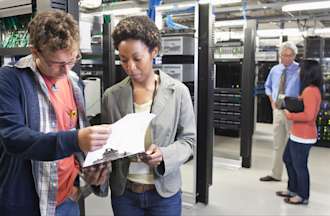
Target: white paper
[(126, 138)]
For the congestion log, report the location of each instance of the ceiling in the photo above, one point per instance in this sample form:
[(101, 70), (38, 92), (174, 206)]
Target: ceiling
[(267, 12)]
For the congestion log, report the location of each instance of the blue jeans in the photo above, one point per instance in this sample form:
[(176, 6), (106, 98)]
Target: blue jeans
[(149, 203), (295, 158), (68, 208)]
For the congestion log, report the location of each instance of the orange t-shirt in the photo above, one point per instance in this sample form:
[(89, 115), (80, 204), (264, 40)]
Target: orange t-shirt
[(62, 99)]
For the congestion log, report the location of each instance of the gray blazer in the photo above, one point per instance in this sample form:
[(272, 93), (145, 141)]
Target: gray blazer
[(174, 131)]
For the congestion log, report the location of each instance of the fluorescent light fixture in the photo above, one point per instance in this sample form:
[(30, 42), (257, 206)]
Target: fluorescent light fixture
[(292, 32), (185, 5), (306, 6), (219, 2), (224, 2), (204, 2), (322, 31), (126, 11), (172, 6), (123, 11), (90, 4), (279, 32), (269, 32), (229, 23)]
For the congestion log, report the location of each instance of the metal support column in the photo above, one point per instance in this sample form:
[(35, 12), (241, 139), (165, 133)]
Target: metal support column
[(205, 86), (109, 67), (248, 101)]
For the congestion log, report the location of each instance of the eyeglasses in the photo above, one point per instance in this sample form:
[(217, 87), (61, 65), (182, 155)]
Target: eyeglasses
[(57, 64), (287, 56)]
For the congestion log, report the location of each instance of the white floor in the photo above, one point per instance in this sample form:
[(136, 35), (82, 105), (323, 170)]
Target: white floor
[(238, 191)]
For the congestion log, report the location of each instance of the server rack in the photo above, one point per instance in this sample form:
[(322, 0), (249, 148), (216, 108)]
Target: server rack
[(227, 92), (178, 50), (266, 58), (234, 101), (319, 48), (23, 11)]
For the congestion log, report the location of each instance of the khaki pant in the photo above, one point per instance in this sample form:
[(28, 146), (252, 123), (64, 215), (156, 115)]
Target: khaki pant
[(281, 127)]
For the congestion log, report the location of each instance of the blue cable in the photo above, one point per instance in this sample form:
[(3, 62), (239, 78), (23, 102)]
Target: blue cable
[(244, 8), (173, 25), (152, 9)]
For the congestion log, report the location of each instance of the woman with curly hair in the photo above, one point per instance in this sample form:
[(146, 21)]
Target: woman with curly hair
[(149, 184)]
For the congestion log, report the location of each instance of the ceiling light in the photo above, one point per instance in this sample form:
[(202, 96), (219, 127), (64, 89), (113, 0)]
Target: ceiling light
[(174, 6), (322, 31), (230, 23), (90, 4), (124, 11), (306, 6), (204, 1), (279, 32), (223, 2)]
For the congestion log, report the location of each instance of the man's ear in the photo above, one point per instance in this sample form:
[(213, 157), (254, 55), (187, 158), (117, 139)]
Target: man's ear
[(34, 51)]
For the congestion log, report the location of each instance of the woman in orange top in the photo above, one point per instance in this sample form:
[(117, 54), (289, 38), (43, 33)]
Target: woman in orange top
[(303, 134)]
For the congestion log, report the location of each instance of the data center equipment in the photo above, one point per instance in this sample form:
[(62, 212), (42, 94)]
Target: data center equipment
[(15, 16), (326, 48), (323, 125), (177, 53), (181, 72), (266, 57), (227, 92), (264, 108), (232, 49), (93, 96), (177, 56), (234, 100), (323, 118), (177, 45), (318, 48), (314, 47)]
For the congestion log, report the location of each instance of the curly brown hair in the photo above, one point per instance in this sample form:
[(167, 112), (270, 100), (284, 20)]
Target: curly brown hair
[(53, 31), (137, 28)]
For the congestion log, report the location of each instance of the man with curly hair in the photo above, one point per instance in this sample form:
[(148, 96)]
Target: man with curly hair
[(42, 124)]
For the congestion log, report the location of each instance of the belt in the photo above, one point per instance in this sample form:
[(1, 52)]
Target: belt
[(139, 187)]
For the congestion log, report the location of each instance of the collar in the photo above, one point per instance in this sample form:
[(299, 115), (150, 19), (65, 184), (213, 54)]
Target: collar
[(26, 62)]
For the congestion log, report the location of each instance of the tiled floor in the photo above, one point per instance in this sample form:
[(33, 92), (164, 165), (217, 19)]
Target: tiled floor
[(237, 191)]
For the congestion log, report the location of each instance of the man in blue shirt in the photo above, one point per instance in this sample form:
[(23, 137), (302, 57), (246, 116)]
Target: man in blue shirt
[(276, 86)]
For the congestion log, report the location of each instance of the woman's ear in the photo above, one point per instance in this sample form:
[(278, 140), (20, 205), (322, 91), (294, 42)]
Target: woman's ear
[(154, 52)]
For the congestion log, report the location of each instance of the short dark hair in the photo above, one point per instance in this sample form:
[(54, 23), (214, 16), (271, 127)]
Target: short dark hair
[(310, 74), (53, 30), (137, 28)]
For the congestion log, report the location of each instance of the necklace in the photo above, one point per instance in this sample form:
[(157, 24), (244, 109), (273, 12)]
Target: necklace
[(153, 96)]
